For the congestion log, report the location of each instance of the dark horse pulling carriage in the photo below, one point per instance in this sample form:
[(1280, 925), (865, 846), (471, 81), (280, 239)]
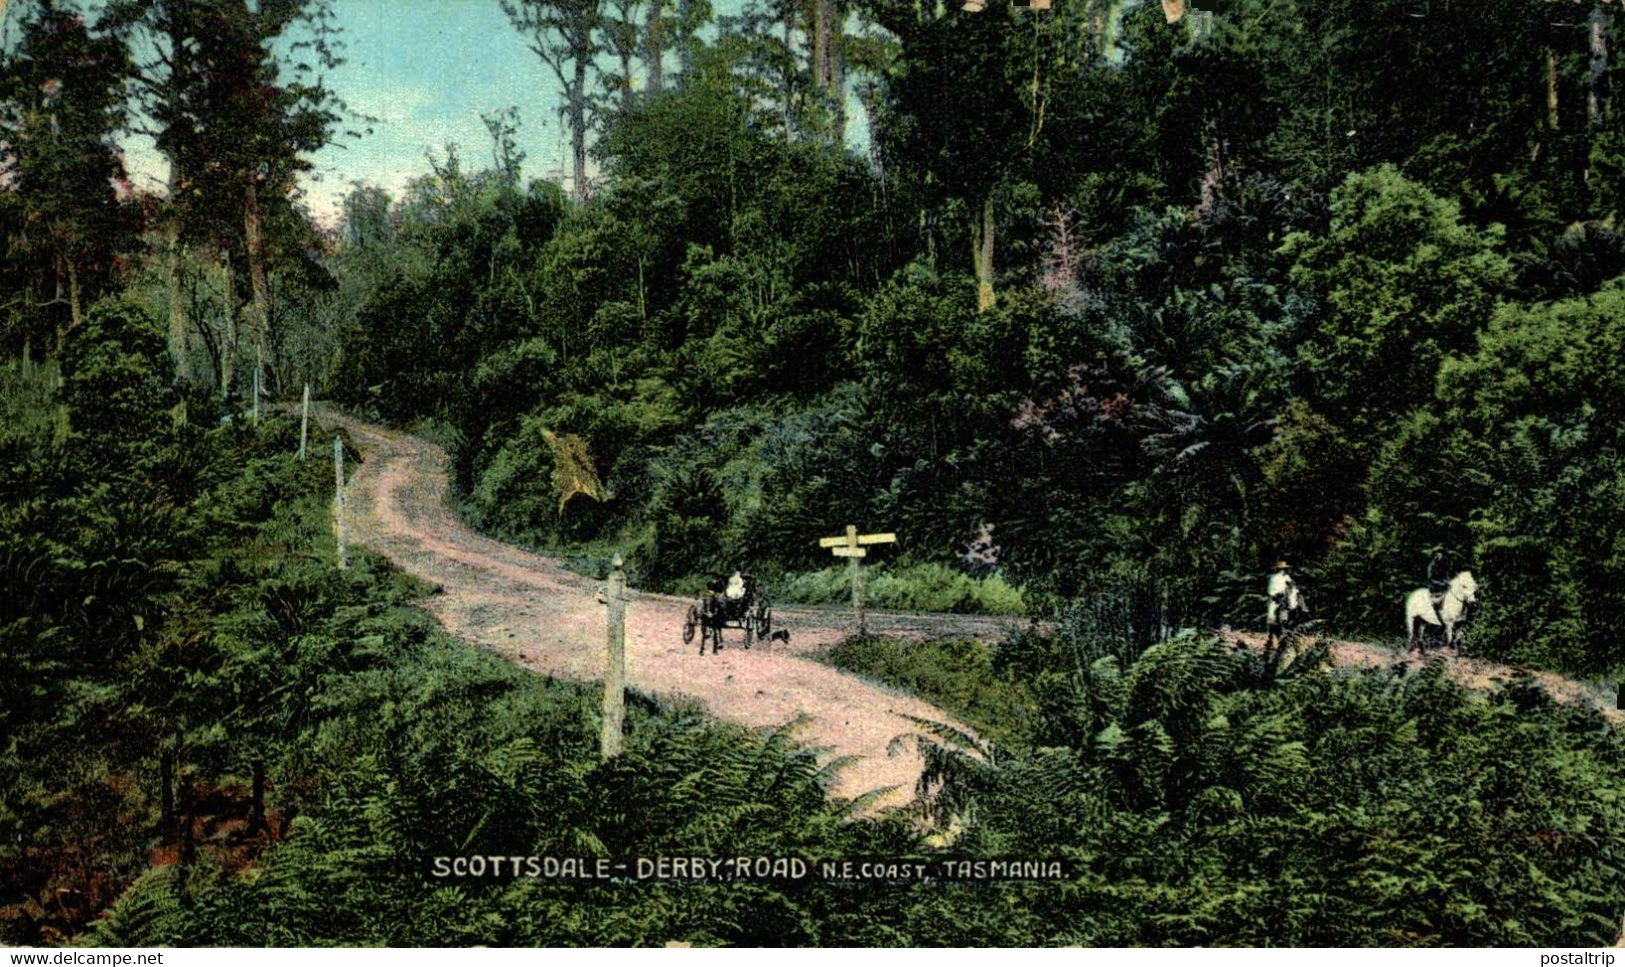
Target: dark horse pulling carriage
[(740, 605)]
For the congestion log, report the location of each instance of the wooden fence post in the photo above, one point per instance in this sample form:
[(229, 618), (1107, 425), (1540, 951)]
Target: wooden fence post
[(304, 423), (338, 503), (614, 663)]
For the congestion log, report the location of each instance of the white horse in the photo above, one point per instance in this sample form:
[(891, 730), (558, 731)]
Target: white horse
[(1421, 607)]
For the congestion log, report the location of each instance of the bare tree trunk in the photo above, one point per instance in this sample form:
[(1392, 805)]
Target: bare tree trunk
[(837, 70), (1599, 64), (1551, 89), (788, 79), (204, 333), (820, 45), (254, 242), (827, 28), (655, 57), (685, 41), (982, 242), (576, 99), (228, 348), (73, 293), (180, 331), (626, 57)]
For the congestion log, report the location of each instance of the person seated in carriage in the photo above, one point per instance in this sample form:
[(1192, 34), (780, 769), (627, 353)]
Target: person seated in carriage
[(735, 594), (736, 602)]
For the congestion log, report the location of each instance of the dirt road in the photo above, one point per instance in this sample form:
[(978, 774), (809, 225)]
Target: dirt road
[(531, 610), (1474, 673)]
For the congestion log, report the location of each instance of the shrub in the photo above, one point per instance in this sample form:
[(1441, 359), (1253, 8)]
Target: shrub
[(956, 675), (919, 587)]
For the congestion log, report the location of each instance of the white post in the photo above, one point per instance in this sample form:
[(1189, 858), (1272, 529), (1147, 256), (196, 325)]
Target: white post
[(338, 503), (256, 384), (304, 424), (614, 664)]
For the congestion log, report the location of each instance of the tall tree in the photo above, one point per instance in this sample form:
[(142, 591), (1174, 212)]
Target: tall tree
[(655, 44), (235, 132), (956, 113), (61, 105), (829, 62), (623, 34), (566, 35)]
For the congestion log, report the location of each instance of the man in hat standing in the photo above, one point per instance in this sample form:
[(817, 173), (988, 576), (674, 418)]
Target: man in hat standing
[(1283, 594)]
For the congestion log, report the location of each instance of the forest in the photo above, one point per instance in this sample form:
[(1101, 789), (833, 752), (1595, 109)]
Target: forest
[(1102, 308)]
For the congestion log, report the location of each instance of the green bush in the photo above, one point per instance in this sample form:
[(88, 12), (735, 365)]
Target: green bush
[(919, 587), (516, 496), (958, 676)]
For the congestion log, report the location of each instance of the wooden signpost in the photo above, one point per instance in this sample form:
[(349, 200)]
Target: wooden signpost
[(852, 546)]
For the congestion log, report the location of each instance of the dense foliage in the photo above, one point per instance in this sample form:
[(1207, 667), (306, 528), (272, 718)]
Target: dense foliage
[(1221, 274)]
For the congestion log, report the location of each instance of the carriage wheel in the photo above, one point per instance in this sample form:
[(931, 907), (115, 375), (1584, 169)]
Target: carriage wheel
[(764, 620), (689, 624)]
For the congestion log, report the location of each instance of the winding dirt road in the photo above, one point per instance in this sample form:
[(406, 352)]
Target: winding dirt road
[(529, 609)]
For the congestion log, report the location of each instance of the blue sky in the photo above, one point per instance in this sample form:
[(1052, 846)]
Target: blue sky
[(426, 70)]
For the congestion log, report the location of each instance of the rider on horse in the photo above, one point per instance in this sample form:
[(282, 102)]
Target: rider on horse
[(1440, 570), (1281, 585)]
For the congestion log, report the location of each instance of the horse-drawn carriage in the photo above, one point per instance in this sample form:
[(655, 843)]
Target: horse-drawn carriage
[(738, 604)]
